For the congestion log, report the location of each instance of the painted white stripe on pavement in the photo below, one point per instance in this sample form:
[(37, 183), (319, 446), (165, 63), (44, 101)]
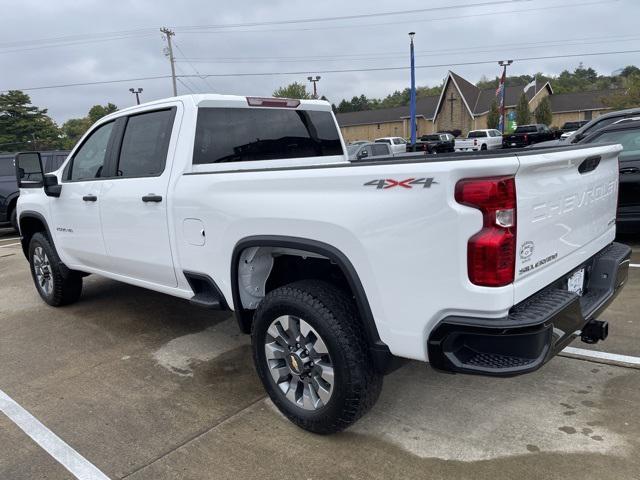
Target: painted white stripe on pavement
[(7, 239), (79, 466), (10, 245), (581, 352), (636, 265)]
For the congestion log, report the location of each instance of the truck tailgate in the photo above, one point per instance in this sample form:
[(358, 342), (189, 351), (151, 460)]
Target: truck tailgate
[(566, 212)]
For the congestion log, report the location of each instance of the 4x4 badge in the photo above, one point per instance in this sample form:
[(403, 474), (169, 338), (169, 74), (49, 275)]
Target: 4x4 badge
[(386, 183)]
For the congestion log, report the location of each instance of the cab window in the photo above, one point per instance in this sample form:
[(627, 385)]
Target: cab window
[(88, 161)]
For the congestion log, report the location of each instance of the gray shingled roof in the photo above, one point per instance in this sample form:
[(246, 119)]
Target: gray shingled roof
[(424, 106), (571, 102)]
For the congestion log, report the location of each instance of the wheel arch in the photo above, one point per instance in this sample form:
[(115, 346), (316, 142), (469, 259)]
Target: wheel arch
[(384, 361), (31, 222), (244, 316)]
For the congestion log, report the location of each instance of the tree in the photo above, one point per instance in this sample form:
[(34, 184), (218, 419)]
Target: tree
[(293, 90), (523, 114), (74, 128), (98, 111), (629, 97), (493, 117), (24, 126), (543, 112)]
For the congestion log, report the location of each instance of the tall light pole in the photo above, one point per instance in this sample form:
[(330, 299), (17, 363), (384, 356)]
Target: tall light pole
[(502, 88), (170, 34), (412, 98), (137, 93), (314, 80)]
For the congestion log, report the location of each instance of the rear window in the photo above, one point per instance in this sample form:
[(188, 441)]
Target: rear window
[(6, 167), (526, 129), (246, 134), (477, 134), (380, 149), (384, 140), (430, 138)]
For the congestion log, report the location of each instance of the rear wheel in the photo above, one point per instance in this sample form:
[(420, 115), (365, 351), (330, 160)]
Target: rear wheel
[(483, 147), (312, 356), (54, 287)]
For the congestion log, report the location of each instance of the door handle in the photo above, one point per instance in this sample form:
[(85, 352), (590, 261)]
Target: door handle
[(89, 198), (152, 197)]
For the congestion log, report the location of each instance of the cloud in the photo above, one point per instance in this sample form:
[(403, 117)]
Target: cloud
[(319, 46)]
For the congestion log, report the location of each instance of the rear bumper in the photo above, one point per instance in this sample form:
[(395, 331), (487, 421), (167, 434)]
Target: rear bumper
[(536, 329)]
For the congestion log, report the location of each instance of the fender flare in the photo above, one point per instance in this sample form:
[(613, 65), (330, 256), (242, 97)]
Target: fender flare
[(332, 253), (25, 246)]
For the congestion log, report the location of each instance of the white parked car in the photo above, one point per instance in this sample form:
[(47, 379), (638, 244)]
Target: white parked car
[(486, 139), (398, 144), (477, 264)]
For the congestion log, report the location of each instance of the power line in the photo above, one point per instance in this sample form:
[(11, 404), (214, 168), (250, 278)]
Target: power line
[(352, 17), (204, 79), (148, 31), (404, 22), (373, 56), (440, 65), (350, 70)]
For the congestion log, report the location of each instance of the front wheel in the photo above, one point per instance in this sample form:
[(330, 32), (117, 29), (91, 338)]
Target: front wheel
[(56, 287), (312, 356)]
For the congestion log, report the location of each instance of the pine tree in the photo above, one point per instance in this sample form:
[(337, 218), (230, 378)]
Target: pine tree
[(523, 114), (493, 117), (543, 112)]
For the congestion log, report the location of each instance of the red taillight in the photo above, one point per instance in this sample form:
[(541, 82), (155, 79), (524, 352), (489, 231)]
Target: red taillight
[(475, 142), (491, 253), (273, 102), (526, 138)]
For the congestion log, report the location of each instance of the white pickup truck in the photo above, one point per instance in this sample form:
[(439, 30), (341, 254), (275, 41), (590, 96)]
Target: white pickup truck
[(482, 265), (488, 139)]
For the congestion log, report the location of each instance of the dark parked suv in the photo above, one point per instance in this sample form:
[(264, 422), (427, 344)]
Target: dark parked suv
[(9, 189), (627, 134)]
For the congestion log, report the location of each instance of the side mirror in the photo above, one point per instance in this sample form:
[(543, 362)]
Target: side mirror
[(362, 154), (51, 186), (29, 171)]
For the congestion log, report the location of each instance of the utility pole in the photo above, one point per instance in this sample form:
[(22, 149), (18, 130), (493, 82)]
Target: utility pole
[(314, 81), (412, 98), (170, 34), (137, 93), (502, 88)]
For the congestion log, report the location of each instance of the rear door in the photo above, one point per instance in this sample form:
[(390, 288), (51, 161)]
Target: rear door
[(134, 198), (566, 208)]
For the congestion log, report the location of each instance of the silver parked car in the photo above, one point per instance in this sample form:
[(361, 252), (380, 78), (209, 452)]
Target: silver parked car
[(368, 150)]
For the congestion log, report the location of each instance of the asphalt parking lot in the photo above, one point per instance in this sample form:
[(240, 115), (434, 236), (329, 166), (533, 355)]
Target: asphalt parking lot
[(145, 386)]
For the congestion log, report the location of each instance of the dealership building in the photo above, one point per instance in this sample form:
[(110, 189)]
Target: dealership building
[(463, 106)]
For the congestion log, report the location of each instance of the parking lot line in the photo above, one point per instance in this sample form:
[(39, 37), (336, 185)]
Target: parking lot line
[(10, 238), (596, 355), (10, 244), (636, 265), (79, 466)]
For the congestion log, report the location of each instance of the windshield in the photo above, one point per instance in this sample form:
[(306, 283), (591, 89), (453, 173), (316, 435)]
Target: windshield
[(526, 129)]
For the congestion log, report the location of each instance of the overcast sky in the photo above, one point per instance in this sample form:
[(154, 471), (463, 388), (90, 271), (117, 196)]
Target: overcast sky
[(456, 34)]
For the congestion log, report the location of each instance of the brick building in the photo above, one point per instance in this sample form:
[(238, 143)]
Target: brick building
[(463, 106)]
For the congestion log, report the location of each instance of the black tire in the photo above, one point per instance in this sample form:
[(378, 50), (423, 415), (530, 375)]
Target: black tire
[(65, 289), (483, 146), (334, 316), (13, 218)]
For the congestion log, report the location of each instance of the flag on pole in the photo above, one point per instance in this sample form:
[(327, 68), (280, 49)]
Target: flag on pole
[(529, 85), (500, 94)]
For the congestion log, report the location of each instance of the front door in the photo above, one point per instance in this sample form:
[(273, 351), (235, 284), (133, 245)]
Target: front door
[(76, 213), (133, 203)]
